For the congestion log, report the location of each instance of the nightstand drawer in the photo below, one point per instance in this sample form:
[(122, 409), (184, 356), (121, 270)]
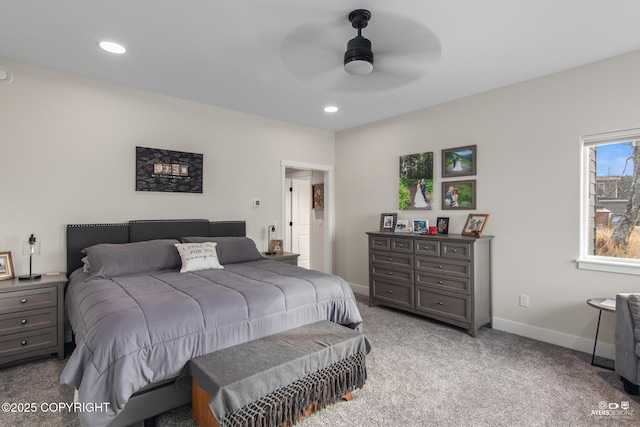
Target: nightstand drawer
[(21, 321), (28, 300), (392, 259), (445, 267), (451, 284), (454, 307), (26, 342), (392, 292)]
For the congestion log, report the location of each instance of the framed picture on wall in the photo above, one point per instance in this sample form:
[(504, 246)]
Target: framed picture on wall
[(317, 191), (459, 195), (460, 161), (475, 225), (388, 221), (6, 266)]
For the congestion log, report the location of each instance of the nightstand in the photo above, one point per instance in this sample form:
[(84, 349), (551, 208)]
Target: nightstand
[(32, 318), (286, 257)]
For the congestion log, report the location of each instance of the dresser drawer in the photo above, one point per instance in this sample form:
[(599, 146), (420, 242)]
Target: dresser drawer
[(444, 266), (402, 245), (458, 250), (427, 247), (392, 259), (390, 273), (451, 284), (28, 300), (379, 243), (26, 342), (453, 307), (393, 292), (21, 321)]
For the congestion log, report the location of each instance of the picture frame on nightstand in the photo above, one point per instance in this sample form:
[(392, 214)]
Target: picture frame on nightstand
[(6, 266), (276, 246)]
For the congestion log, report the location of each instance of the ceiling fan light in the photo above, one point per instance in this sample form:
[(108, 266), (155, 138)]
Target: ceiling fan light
[(358, 59), (358, 67)]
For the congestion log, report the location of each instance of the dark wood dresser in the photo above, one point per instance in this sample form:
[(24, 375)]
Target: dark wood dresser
[(446, 277)]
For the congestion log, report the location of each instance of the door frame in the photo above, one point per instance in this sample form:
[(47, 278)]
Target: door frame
[(329, 203)]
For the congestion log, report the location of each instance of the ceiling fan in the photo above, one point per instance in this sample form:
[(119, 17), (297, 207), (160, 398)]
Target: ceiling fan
[(404, 51)]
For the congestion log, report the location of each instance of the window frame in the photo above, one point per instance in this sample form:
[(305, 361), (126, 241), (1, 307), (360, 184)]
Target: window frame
[(587, 261)]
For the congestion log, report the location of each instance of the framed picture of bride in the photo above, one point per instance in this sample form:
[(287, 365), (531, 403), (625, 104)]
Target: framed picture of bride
[(459, 194), (460, 161), (416, 181)]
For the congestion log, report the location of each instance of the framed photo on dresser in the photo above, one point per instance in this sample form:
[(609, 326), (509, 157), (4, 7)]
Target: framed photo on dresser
[(6, 266)]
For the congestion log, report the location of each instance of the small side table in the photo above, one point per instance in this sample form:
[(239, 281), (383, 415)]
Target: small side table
[(286, 257), (602, 304)]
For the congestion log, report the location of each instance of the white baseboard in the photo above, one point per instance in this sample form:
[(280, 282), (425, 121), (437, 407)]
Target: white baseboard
[(359, 289), (572, 342), (554, 337)]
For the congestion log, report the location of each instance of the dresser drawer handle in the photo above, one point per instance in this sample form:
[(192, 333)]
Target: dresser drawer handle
[(440, 282), (24, 321), (23, 301), (440, 303), (390, 291), (24, 342), (378, 243), (454, 251), (401, 245), (391, 273), (440, 266), (390, 260)]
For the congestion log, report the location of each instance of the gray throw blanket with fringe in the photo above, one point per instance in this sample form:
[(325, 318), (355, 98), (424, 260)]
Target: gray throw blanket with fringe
[(270, 379)]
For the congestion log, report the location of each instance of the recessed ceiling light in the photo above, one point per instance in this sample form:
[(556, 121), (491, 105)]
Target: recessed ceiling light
[(112, 47), (330, 109), (6, 76)]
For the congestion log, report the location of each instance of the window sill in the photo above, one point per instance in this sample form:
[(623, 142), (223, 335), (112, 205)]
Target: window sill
[(610, 265)]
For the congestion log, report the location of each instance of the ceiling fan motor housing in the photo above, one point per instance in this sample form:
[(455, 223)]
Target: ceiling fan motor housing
[(358, 59)]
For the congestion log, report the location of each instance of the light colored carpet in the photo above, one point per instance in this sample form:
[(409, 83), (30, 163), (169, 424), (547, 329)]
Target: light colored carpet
[(420, 373)]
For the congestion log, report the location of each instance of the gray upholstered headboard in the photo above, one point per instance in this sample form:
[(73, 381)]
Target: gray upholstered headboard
[(80, 236)]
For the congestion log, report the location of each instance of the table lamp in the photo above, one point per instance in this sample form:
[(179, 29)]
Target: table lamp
[(31, 248)]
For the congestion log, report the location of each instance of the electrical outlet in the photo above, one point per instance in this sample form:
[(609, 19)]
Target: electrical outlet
[(524, 300)]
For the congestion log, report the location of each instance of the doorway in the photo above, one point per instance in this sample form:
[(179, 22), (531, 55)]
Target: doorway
[(307, 231)]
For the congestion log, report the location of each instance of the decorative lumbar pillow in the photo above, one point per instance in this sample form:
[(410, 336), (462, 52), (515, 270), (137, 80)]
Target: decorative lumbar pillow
[(111, 260), (231, 250), (198, 256)]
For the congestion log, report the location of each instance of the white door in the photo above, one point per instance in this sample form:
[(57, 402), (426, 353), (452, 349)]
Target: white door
[(301, 221)]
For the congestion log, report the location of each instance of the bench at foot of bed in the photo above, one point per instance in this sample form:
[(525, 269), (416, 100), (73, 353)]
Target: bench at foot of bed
[(279, 379)]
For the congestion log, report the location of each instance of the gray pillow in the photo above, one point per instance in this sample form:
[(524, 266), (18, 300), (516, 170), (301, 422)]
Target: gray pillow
[(230, 250), (112, 260)]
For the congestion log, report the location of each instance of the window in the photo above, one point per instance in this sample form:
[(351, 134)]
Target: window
[(610, 223)]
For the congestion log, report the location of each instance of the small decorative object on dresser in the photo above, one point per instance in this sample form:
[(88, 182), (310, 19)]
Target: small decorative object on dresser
[(444, 277), (402, 226), (6, 266), (475, 225), (275, 246), (32, 317), (443, 225), (388, 221), (420, 226)]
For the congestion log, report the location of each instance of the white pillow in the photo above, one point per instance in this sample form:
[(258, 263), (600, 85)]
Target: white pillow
[(198, 256)]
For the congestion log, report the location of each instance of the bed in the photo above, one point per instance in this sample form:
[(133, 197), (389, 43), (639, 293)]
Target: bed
[(145, 297)]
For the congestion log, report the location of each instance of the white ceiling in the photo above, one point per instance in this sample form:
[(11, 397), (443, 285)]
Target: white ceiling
[(245, 55)]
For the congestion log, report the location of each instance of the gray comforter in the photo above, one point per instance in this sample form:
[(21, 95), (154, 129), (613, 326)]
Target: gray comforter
[(135, 330)]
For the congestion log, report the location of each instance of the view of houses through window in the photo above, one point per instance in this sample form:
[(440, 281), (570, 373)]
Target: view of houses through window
[(614, 198)]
